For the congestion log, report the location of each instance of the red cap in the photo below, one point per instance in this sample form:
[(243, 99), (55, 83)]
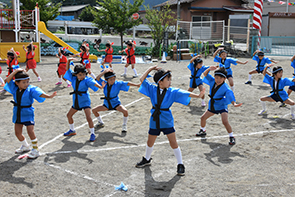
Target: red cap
[(35, 46), (112, 43), (134, 42), (17, 53)]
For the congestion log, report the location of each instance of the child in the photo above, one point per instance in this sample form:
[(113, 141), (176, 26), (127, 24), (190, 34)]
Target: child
[(278, 94), (1, 80), (162, 97), (292, 88), (11, 60), (81, 99), (23, 112), (111, 91), (85, 58), (109, 54), (220, 96), (61, 70), (261, 61), (30, 61), (130, 50), (196, 67), (226, 62)]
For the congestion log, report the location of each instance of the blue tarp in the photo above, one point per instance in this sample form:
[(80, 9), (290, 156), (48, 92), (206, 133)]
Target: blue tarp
[(64, 18)]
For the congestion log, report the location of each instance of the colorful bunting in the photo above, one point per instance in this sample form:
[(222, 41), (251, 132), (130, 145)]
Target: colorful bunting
[(282, 2)]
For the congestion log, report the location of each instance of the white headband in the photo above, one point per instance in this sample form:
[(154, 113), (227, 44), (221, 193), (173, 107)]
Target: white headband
[(273, 72), (219, 73), (22, 79), (163, 77)]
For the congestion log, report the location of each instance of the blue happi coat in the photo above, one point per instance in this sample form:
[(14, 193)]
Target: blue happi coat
[(115, 90), (83, 97), (223, 96), (198, 80), (260, 67), (293, 65), (26, 110), (282, 83), (172, 95), (227, 63)]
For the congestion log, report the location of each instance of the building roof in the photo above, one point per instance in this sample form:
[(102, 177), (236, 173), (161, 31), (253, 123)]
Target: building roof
[(174, 2), (72, 8), (238, 8)]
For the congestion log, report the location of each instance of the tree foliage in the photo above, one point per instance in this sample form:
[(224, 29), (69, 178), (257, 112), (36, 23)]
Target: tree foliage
[(76, 2), (117, 14), (47, 9), (159, 21), (86, 14)]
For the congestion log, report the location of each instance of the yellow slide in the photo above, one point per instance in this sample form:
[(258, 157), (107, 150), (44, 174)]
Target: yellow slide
[(42, 28)]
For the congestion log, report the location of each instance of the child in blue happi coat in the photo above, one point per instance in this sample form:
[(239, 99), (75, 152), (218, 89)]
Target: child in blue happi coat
[(226, 62), (261, 61), (278, 94), (220, 96), (81, 99), (162, 97), (23, 111), (112, 101), (197, 68), (292, 88)]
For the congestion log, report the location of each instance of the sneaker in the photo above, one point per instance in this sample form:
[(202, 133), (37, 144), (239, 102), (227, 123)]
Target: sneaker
[(203, 104), (262, 112), (69, 85), (293, 116), (92, 137), (232, 141), (249, 82), (201, 133), (39, 79), (58, 83), (180, 170), (123, 75), (22, 149), (33, 154), (283, 105), (124, 128), (143, 163), (70, 133), (99, 125), (2, 91), (135, 76)]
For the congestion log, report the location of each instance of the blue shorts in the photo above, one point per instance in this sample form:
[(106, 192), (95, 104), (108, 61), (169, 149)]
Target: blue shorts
[(292, 88), (157, 132), (27, 123), (81, 108), (218, 111), (259, 71), (275, 98), (114, 108), (228, 76)]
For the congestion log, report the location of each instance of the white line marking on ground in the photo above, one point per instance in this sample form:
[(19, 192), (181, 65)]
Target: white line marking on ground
[(165, 142), (50, 141)]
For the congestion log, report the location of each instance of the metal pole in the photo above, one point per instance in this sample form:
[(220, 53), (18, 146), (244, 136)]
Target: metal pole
[(228, 30), (223, 32), (178, 18), (287, 10), (248, 35)]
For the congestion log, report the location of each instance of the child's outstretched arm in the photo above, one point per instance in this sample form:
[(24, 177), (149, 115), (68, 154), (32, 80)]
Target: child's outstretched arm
[(198, 56), (255, 52), (293, 58), (99, 86), (217, 51), (10, 77), (48, 96), (15, 55), (24, 48), (264, 72), (275, 62), (239, 62), (236, 105), (134, 84), (145, 74), (211, 68), (102, 73), (193, 95), (68, 63)]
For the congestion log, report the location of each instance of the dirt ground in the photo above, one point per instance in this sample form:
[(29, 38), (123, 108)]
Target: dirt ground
[(260, 164)]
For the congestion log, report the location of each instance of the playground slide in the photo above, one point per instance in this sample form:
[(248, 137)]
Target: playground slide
[(42, 28)]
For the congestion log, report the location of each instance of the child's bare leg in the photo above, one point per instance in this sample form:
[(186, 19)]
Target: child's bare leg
[(35, 72), (18, 129), (98, 109), (173, 143), (31, 133), (110, 65), (122, 109), (150, 146), (70, 115), (91, 73), (231, 83), (292, 103), (88, 117), (190, 89), (201, 89), (27, 69), (289, 92), (204, 117), (224, 118)]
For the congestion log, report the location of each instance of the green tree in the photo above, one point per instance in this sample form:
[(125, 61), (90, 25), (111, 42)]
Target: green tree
[(117, 14), (47, 9), (159, 21), (86, 14)]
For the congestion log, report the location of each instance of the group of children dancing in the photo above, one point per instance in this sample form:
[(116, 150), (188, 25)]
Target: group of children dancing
[(161, 94)]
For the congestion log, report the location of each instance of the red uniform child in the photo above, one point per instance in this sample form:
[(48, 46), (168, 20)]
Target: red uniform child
[(30, 61), (11, 63), (130, 55)]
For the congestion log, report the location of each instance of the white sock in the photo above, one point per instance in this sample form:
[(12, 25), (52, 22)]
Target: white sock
[(231, 134), (177, 153), (99, 119), (1, 80), (25, 143), (148, 152), (68, 82), (203, 100), (39, 77), (59, 79), (134, 71), (203, 128), (92, 75), (232, 88), (292, 109), (263, 104), (91, 130), (250, 76), (125, 70), (72, 127), (125, 120)]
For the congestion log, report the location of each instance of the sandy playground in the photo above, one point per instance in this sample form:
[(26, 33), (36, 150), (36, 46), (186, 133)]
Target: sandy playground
[(260, 164)]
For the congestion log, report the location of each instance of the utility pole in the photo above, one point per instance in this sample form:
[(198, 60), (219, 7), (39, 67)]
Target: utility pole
[(287, 10)]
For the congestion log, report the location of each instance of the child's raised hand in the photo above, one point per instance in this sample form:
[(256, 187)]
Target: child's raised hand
[(219, 49), (53, 94), (246, 62), (237, 105), (213, 68), (103, 84)]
